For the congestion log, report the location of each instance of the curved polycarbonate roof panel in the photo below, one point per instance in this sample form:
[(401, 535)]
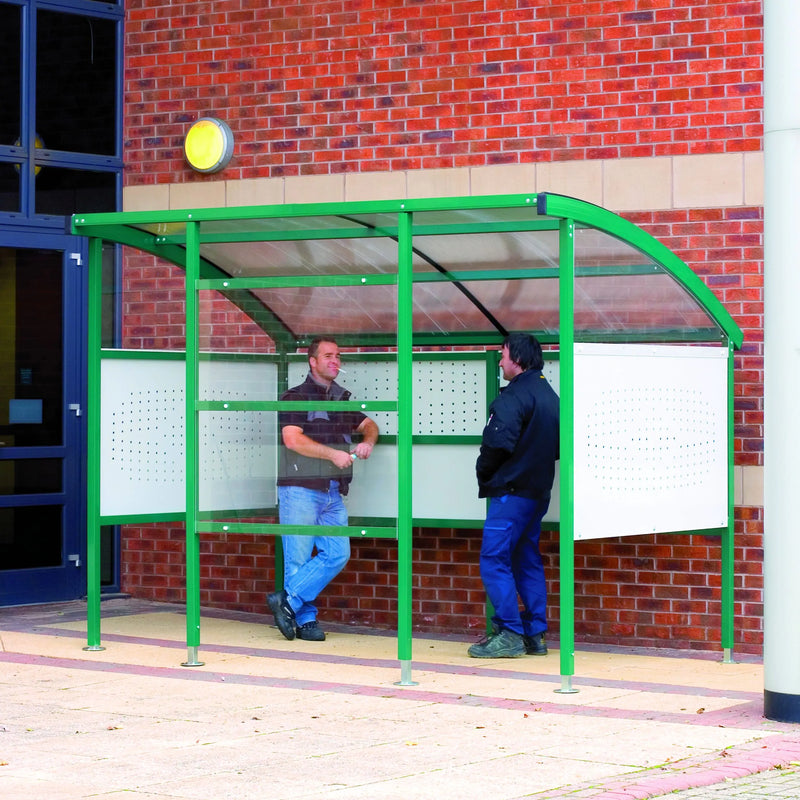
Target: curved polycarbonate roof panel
[(479, 267)]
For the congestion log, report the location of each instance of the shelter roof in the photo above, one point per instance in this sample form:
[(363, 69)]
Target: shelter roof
[(480, 267)]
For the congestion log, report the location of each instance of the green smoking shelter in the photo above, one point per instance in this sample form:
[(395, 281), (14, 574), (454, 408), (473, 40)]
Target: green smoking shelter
[(419, 294)]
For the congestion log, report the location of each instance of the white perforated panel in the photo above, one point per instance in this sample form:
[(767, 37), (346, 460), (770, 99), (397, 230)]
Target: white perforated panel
[(142, 437), (651, 449), (444, 485), (449, 396)]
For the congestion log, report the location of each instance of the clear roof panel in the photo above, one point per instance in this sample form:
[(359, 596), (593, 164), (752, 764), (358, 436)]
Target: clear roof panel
[(480, 268)]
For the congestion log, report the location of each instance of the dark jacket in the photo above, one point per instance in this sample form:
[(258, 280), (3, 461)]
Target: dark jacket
[(331, 428), (520, 440)]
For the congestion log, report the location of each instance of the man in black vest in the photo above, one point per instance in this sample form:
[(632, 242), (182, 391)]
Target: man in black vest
[(314, 473)]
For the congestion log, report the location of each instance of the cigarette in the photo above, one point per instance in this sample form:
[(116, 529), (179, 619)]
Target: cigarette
[(344, 372)]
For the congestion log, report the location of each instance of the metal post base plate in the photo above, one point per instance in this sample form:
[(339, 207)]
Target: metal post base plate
[(192, 661), (405, 675), (566, 686)]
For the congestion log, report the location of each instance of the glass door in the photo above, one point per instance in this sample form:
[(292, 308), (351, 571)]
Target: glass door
[(42, 506)]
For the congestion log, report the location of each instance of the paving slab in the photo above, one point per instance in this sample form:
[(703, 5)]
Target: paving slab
[(265, 717)]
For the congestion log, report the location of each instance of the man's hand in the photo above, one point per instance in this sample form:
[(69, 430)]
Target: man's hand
[(340, 458), (369, 431), (363, 450)]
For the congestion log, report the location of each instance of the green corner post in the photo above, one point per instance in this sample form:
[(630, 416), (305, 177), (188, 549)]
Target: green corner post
[(566, 289), (726, 549), (492, 390), (191, 469), (405, 291), (94, 343)]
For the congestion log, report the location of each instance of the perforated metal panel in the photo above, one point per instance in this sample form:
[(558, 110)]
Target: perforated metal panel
[(651, 451), (142, 440), (449, 396), (650, 438), (449, 400)]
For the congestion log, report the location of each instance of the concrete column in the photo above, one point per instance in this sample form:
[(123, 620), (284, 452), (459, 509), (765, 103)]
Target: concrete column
[(782, 360)]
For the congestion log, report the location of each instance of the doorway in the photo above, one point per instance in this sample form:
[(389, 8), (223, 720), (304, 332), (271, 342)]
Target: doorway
[(42, 470)]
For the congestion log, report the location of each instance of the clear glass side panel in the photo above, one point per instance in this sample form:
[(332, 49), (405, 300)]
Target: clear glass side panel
[(641, 305), (152, 303), (109, 298), (622, 292), (241, 453), (237, 464)]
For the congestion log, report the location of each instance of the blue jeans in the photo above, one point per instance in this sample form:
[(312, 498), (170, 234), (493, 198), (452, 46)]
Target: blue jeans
[(304, 575), (511, 564)]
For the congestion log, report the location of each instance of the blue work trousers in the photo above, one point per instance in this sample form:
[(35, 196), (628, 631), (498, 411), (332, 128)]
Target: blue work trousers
[(511, 564), (305, 575)]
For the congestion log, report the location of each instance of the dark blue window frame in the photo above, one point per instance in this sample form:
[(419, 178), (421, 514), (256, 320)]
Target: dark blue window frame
[(27, 156)]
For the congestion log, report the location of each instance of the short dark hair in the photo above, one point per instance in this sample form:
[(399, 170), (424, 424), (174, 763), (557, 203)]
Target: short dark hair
[(525, 350), (313, 346)]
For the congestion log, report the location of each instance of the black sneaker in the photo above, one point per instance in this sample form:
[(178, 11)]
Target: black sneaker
[(284, 614), (535, 645), (311, 632), (505, 644)]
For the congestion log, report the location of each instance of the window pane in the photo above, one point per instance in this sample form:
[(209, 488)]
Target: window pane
[(31, 394), (70, 191), (30, 476), (30, 536), (9, 187), (9, 69), (75, 80)]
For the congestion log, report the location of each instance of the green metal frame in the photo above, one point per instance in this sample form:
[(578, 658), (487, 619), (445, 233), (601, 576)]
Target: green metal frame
[(177, 236)]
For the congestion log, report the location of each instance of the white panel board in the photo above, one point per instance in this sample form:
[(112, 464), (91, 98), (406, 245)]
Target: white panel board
[(651, 439), (449, 395), (142, 437), (142, 430), (443, 483)]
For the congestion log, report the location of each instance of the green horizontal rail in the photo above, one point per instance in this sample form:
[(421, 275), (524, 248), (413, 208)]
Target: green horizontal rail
[(296, 405), (290, 281), (297, 530)]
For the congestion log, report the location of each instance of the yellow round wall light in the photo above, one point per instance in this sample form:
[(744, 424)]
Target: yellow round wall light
[(208, 145)]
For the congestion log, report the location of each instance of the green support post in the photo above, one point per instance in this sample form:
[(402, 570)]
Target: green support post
[(726, 548), (192, 455), (566, 288), (405, 396), (94, 343), (492, 390)]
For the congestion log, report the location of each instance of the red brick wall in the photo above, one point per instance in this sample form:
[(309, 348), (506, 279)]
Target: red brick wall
[(641, 590), (331, 87), (362, 85)]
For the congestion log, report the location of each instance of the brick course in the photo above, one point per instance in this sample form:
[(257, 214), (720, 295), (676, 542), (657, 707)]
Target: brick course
[(644, 590), (349, 85)]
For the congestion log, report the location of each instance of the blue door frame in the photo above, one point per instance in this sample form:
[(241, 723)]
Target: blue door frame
[(65, 580)]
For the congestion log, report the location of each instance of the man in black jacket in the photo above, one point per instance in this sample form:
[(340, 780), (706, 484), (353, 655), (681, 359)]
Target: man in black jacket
[(515, 470)]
